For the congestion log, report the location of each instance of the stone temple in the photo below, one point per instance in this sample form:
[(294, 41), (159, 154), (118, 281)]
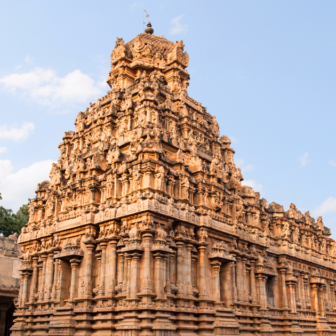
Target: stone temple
[(145, 229)]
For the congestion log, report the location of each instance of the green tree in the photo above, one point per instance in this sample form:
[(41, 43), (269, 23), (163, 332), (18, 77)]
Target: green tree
[(11, 222)]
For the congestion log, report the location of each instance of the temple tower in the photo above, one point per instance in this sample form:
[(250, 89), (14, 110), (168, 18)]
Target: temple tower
[(145, 229)]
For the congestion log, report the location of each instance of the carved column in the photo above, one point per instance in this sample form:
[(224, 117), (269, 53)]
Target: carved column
[(233, 280), (314, 295), (101, 291), (252, 282), (239, 278), (189, 279), (146, 286), (203, 292), (172, 265), (262, 290), (332, 294), (292, 299), (159, 276), (125, 274), (129, 275), (73, 282), (179, 269), (113, 266), (216, 280), (167, 263), (302, 291), (43, 271), (24, 297), (88, 275), (307, 291), (227, 284), (134, 276), (245, 280), (320, 291), (283, 288), (53, 292), (120, 272), (34, 281), (49, 276)]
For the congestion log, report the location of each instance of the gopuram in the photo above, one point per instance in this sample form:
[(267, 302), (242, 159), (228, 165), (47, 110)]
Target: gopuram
[(145, 229)]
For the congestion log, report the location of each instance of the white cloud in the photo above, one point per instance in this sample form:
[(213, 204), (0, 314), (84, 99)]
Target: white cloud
[(333, 163), (17, 187), (137, 4), (178, 28), (329, 205), (5, 169), (253, 184), (46, 88), (28, 59), (3, 150), (240, 163), (303, 159), (16, 133)]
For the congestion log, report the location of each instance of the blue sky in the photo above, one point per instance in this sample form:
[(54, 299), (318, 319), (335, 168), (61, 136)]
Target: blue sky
[(266, 69)]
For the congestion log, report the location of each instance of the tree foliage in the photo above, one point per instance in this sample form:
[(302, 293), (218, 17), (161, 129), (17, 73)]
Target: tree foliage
[(11, 222)]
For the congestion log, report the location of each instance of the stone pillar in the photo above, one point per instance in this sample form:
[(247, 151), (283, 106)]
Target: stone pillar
[(314, 295), (203, 291), (320, 295), (129, 275), (125, 274), (189, 279), (168, 287), (120, 271), (43, 271), (234, 284), (302, 291), (73, 282), (49, 276), (134, 276), (245, 281), (111, 290), (159, 276), (146, 286), (262, 290), (252, 282), (172, 265), (284, 302), (25, 289), (239, 278), (179, 269), (216, 280), (101, 291), (307, 291), (88, 275), (292, 300), (332, 294), (34, 281), (227, 284), (53, 292)]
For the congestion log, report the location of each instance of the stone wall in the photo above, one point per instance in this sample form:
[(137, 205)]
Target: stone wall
[(9, 280)]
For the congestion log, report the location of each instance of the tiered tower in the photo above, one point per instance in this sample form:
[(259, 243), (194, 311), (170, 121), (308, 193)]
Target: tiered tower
[(145, 229)]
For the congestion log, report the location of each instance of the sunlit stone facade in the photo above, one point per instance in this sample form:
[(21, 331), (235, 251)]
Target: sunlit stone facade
[(144, 227)]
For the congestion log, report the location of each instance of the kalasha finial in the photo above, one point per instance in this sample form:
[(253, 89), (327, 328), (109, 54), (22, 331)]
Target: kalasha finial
[(149, 29)]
